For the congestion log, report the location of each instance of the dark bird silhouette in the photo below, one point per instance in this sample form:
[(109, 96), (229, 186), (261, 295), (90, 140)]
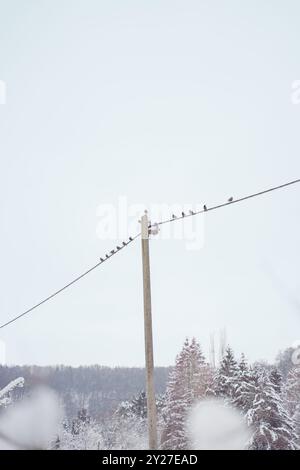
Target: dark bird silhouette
[(230, 199), (112, 252), (183, 214), (174, 216), (101, 259), (118, 248), (205, 208), (107, 256), (124, 244), (191, 212), (130, 238)]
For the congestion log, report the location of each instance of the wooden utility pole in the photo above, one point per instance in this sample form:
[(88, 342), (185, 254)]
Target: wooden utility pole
[(150, 389)]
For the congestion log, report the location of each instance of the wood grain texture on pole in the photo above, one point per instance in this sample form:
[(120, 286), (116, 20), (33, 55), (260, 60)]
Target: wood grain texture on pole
[(150, 388)]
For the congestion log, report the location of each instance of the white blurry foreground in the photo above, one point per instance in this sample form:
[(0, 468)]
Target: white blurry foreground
[(213, 426), (32, 423)]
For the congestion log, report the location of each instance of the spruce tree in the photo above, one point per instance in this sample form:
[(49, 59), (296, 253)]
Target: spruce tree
[(245, 387), (291, 389), (276, 379), (177, 402), (243, 364), (137, 406), (199, 372), (273, 427), (225, 380), (296, 420), (188, 382)]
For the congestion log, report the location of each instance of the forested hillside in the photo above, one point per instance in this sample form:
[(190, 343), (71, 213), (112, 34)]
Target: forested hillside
[(106, 408), (96, 388)]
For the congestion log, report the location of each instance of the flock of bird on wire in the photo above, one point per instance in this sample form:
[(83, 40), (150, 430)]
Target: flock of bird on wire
[(118, 248), (193, 213)]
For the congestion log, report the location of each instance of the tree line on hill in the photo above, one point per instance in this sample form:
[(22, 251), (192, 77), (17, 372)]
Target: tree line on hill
[(107, 408)]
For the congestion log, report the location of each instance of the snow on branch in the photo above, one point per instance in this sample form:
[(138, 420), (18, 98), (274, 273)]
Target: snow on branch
[(19, 382)]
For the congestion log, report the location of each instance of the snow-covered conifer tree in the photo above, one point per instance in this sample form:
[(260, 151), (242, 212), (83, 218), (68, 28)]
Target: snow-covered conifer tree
[(177, 403), (188, 382), (83, 434), (296, 420), (276, 379), (291, 389), (243, 392), (270, 420), (199, 372), (225, 380)]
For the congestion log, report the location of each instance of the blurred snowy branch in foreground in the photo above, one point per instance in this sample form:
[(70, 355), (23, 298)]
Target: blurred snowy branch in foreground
[(213, 426), (5, 399), (32, 423)]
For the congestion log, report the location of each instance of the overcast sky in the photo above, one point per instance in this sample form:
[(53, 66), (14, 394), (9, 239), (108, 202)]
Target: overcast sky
[(163, 102)]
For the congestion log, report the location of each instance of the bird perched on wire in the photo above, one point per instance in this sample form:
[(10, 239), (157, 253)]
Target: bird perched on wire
[(124, 244), (205, 208), (230, 199), (107, 256), (174, 216), (101, 259), (182, 214), (118, 248), (112, 252), (192, 212), (130, 238)]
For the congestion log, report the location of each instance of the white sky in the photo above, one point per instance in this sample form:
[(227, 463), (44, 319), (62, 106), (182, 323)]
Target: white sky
[(162, 102)]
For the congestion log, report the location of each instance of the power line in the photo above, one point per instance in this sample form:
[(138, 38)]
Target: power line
[(228, 203), (102, 260), (131, 239)]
